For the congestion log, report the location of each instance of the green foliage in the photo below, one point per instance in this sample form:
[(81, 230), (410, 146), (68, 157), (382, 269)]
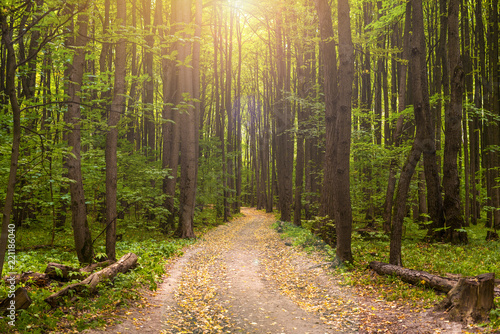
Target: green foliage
[(89, 311), (303, 237)]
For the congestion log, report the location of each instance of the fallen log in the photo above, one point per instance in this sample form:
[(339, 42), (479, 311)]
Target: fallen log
[(20, 301), (471, 300), (126, 262), (439, 283), (61, 272), (28, 277), (93, 266)]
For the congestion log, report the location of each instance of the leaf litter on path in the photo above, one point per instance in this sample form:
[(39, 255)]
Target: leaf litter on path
[(242, 278)]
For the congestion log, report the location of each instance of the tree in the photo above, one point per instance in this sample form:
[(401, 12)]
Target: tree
[(329, 58), (188, 136), (342, 197), (117, 108), (453, 133), (81, 232), (10, 89)]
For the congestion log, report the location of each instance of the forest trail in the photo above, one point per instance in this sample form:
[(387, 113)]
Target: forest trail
[(242, 278)]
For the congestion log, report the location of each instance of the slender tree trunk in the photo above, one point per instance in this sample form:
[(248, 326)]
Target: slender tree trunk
[(396, 136), (117, 108), (342, 197), (81, 232), (329, 64), (189, 125), (453, 134), (10, 89), (285, 196)]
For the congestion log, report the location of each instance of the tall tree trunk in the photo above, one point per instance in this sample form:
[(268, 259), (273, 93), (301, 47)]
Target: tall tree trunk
[(189, 157), (283, 120), (81, 232), (453, 134), (417, 68), (396, 136), (10, 89), (329, 65), (117, 108), (148, 99), (431, 143), (342, 197), (229, 112)]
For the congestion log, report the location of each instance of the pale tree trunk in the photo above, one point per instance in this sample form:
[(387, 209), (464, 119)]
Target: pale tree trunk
[(342, 196), (117, 108), (453, 134), (81, 232), (189, 134), (10, 89)]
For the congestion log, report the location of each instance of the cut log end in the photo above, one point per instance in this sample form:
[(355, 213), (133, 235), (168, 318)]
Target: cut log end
[(471, 300), (21, 301)]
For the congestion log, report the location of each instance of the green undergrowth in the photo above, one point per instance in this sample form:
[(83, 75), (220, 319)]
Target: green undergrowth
[(77, 313), (477, 257)]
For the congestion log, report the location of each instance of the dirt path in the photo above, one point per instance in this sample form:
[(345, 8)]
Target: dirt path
[(242, 278)]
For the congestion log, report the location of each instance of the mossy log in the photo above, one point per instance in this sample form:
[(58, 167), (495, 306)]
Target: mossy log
[(89, 284)]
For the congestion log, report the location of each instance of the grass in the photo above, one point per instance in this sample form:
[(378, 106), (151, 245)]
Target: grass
[(477, 257), (77, 313)]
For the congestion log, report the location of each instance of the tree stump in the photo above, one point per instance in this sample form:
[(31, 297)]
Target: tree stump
[(19, 302), (471, 299)]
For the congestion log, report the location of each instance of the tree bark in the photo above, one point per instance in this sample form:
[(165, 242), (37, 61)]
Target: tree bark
[(81, 232), (10, 89), (117, 108), (188, 123), (342, 195), (21, 301), (89, 284), (453, 134), (471, 299), (329, 58)]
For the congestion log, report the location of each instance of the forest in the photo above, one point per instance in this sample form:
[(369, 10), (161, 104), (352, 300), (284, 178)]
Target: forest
[(159, 119)]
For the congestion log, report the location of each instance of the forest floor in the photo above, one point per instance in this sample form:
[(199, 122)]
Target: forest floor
[(243, 278)]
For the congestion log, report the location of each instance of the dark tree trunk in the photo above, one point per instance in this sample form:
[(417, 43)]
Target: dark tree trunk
[(433, 139), (81, 232), (10, 89), (283, 124), (188, 136), (329, 64), (117, 108), (342, 196), (453, 134)]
